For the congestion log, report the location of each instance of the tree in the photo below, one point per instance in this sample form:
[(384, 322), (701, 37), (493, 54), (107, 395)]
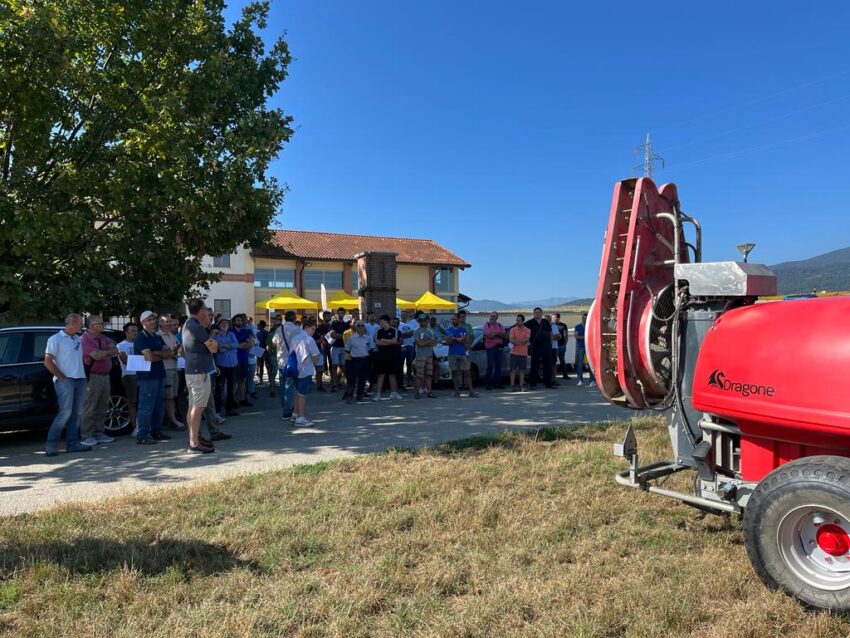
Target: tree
[(134, 139)]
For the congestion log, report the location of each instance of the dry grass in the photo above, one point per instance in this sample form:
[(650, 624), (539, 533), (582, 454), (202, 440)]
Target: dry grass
[(499, 536)]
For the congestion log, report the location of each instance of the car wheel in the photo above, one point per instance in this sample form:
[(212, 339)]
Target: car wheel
[(797, 530), (117, 416)]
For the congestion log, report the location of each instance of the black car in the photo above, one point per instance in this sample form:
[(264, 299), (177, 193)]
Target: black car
[(27, 396)]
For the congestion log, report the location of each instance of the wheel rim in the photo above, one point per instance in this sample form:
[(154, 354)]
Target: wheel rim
[(117, 414), (812, 541)]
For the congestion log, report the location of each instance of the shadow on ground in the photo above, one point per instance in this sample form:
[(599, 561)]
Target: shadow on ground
[(96, 555)]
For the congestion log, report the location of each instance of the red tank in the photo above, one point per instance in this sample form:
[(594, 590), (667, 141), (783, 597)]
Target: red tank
[(781, 372)]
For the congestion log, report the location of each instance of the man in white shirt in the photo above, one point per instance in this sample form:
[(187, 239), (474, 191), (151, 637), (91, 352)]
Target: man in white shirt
[(282, 340), (307, 353), (128, 377), (407, 327), (63, 357)]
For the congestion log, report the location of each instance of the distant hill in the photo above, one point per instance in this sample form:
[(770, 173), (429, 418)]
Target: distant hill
[(830, 271), (483, 305)]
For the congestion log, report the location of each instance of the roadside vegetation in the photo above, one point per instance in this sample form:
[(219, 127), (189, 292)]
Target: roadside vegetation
[(496, 536)]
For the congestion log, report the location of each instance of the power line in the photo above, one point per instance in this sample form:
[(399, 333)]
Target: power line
[(649, 158), (760, 122), (769, 96), (790, 140)]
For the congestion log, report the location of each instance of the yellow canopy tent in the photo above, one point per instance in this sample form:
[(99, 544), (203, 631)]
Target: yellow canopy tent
[(288, 300), (341, 299), (430, 301), (403, 304)]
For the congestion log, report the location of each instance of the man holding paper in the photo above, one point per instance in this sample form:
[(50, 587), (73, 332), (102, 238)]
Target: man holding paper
[(151, 382)]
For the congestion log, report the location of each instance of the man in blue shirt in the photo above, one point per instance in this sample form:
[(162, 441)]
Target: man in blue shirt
[(580, 351), (457, 337), (151, 382)]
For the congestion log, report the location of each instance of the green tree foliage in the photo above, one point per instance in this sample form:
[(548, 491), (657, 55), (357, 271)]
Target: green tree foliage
[(134, 139)]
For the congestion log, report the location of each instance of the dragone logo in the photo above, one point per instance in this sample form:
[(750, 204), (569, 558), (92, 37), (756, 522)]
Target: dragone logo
[(717, 379)]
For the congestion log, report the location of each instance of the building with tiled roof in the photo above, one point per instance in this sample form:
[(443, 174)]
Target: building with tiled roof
[(302, 261)]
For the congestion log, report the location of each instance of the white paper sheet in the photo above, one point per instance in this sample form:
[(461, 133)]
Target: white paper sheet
[(257, 351), (137, 363), (329, 338)]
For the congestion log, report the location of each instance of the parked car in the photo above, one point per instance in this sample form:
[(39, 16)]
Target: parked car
[(27, 396), (478, 358)]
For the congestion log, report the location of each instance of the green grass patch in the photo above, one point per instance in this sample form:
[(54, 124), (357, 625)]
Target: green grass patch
[(504, 535)]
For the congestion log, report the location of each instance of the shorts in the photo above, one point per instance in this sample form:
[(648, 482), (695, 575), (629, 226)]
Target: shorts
[(386, 361), (131, 388), (458, 362), (241, 371), (518, 362), (424, 366), (303, 385), (199, 389), (171, 386), (337, 356)]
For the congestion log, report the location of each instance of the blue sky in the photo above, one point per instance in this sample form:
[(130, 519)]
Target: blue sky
[(498, 129)]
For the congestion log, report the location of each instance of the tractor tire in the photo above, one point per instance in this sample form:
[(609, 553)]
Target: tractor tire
[(797, 531)]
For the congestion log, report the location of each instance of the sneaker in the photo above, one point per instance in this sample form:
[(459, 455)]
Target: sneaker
[(176, 426), (579, 382), (303, 422), (395, 395), (104, 438), (376, 397), (472, 395), (221, 436), (89, 441), (199, 449), (79, 448), (159, 436), (286, 415), (146, 440), (431, 395), (51, 453), (524, 389), (457, 394), (592, 384), (219, 419)]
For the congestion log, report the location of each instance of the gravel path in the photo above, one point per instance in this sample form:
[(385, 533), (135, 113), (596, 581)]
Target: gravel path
[(29, 481)]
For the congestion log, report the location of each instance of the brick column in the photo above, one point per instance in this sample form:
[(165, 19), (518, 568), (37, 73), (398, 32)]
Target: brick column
[(346, 277), (377, 273)]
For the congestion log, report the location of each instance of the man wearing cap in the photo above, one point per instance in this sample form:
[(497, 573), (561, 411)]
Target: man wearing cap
[(151, 382), (423, 363), (64, 359)]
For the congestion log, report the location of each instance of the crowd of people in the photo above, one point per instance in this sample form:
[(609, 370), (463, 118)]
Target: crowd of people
[(213, 364)]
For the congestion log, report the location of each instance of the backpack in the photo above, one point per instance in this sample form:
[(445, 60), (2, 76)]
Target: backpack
[(290, 369)]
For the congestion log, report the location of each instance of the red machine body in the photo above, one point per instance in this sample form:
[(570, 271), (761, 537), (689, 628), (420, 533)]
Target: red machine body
[(780, 371), (756, 393)]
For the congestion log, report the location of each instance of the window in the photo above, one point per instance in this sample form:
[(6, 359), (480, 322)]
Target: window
[(222, 307), (444, 280), (39, 346), (10, 347), (222, 261), (274, 278), (314, 279), (355, 280)]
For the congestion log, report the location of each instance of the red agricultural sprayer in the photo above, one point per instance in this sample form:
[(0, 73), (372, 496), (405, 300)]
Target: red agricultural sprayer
[(757, 394)]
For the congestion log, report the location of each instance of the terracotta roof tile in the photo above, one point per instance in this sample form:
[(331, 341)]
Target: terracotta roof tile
[(337, 246)]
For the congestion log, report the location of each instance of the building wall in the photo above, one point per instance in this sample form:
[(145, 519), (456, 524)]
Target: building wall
[(237, 283), (412, 280)]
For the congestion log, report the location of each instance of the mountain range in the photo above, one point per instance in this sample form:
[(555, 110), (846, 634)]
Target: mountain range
[(830, 271)]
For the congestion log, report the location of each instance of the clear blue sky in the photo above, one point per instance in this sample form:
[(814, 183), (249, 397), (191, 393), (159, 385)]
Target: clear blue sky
[(498, 129)]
